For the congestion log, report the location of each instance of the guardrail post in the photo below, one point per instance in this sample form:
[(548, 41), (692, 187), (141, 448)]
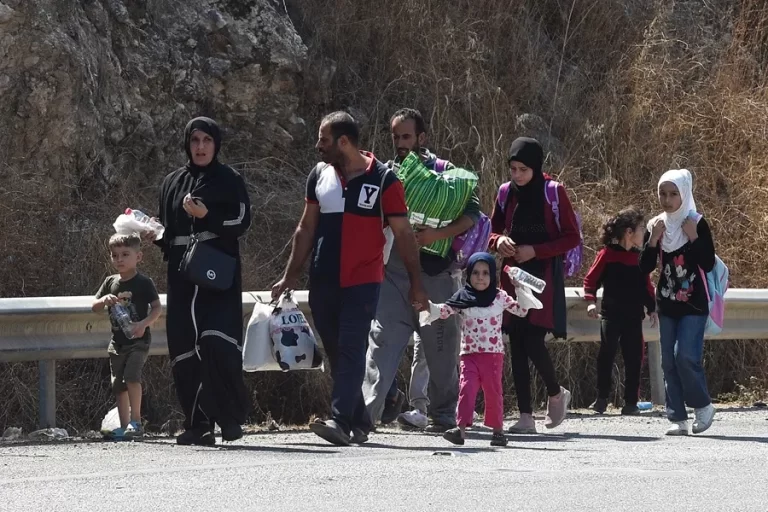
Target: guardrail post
[(47, 394), (658, 395)]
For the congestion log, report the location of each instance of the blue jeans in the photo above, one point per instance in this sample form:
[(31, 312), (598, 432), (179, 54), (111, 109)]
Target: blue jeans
[(342, 317), (682, 349)]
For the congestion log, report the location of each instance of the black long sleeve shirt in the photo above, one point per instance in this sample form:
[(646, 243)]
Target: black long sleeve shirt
[(627, 290), (681, 290)]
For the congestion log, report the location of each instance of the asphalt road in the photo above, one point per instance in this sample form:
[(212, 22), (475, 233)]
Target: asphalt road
[(590, 463)]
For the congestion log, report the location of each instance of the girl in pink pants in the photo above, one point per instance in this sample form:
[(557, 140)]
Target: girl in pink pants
[(481, 306)]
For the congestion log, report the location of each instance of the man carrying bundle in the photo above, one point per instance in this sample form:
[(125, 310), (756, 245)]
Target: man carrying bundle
[(434, 381)]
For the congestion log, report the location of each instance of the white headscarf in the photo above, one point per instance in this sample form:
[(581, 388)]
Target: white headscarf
[(674, 236)]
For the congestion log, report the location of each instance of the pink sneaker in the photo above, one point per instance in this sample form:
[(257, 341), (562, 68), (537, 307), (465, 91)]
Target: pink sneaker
[(557, 408), (525, 425)]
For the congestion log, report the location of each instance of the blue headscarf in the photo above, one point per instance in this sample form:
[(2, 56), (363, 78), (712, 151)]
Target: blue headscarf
[(468, 297)]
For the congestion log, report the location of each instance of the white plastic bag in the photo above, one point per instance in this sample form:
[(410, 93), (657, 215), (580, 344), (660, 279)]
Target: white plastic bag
[(526, 298), (293, 342), (111, 421), (257, 349), (136, 221)]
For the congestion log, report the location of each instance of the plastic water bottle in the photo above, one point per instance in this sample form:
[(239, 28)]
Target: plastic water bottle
[(134, 220), (524, 278), (644, 406), (139, 215), (123, 319)]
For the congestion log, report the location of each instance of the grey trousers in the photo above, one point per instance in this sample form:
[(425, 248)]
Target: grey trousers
[(391, 330), (418, 387)]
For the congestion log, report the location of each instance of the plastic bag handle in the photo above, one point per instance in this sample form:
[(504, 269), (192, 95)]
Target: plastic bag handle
[(286, 295)]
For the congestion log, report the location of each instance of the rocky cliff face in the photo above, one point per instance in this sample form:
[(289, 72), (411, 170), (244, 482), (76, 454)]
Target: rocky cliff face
[(94, 96)]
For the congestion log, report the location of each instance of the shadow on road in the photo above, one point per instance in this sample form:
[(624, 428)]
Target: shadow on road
[(735, 438), (59, 442), (595, 416), (403, 448), (737, 408), (625, 439), (277, 449), (467, 450)]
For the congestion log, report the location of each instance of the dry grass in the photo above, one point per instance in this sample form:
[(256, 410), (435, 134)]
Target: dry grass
[(617, 91)]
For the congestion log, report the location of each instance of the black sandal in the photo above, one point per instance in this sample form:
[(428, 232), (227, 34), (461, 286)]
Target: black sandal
[(499, 439), (454, 436)]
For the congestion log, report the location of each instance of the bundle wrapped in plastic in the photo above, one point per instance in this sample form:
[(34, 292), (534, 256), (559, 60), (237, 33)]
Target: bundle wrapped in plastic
[(435, 199), (136, 221)]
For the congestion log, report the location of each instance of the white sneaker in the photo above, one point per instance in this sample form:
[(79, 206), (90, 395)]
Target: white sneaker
[(679, 428), (414, 418), (704, 418), (525, 425)]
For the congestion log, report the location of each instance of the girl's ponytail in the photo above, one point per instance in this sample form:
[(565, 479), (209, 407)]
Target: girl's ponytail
[(613, 230)]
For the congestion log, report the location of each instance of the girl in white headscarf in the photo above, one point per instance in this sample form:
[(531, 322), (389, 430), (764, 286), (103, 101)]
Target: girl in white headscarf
[(681, 237)]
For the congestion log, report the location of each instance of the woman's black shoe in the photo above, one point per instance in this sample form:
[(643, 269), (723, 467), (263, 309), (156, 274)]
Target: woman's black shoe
[(630, 410), (231, 432), (197, 436), (599, 405)]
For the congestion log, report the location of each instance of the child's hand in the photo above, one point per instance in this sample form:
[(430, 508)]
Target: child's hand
[(592, 311), (429, 314), (138, 329), (654, 318), (109, 300)]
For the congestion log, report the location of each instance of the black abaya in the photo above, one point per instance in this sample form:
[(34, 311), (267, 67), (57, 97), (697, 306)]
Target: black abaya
[(205, 327)]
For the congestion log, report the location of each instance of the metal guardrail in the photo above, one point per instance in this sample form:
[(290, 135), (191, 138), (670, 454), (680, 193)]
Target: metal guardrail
[(47, 329)]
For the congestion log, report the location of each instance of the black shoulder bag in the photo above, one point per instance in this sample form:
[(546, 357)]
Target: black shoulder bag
[(207, 266)]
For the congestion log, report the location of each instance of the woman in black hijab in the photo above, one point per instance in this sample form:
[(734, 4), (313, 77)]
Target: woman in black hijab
[(526, 233), (205, 326)]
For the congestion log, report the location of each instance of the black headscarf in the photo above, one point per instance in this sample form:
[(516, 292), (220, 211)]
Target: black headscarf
[(205, 125), (468, 297), (527, 151), (528, 226)]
